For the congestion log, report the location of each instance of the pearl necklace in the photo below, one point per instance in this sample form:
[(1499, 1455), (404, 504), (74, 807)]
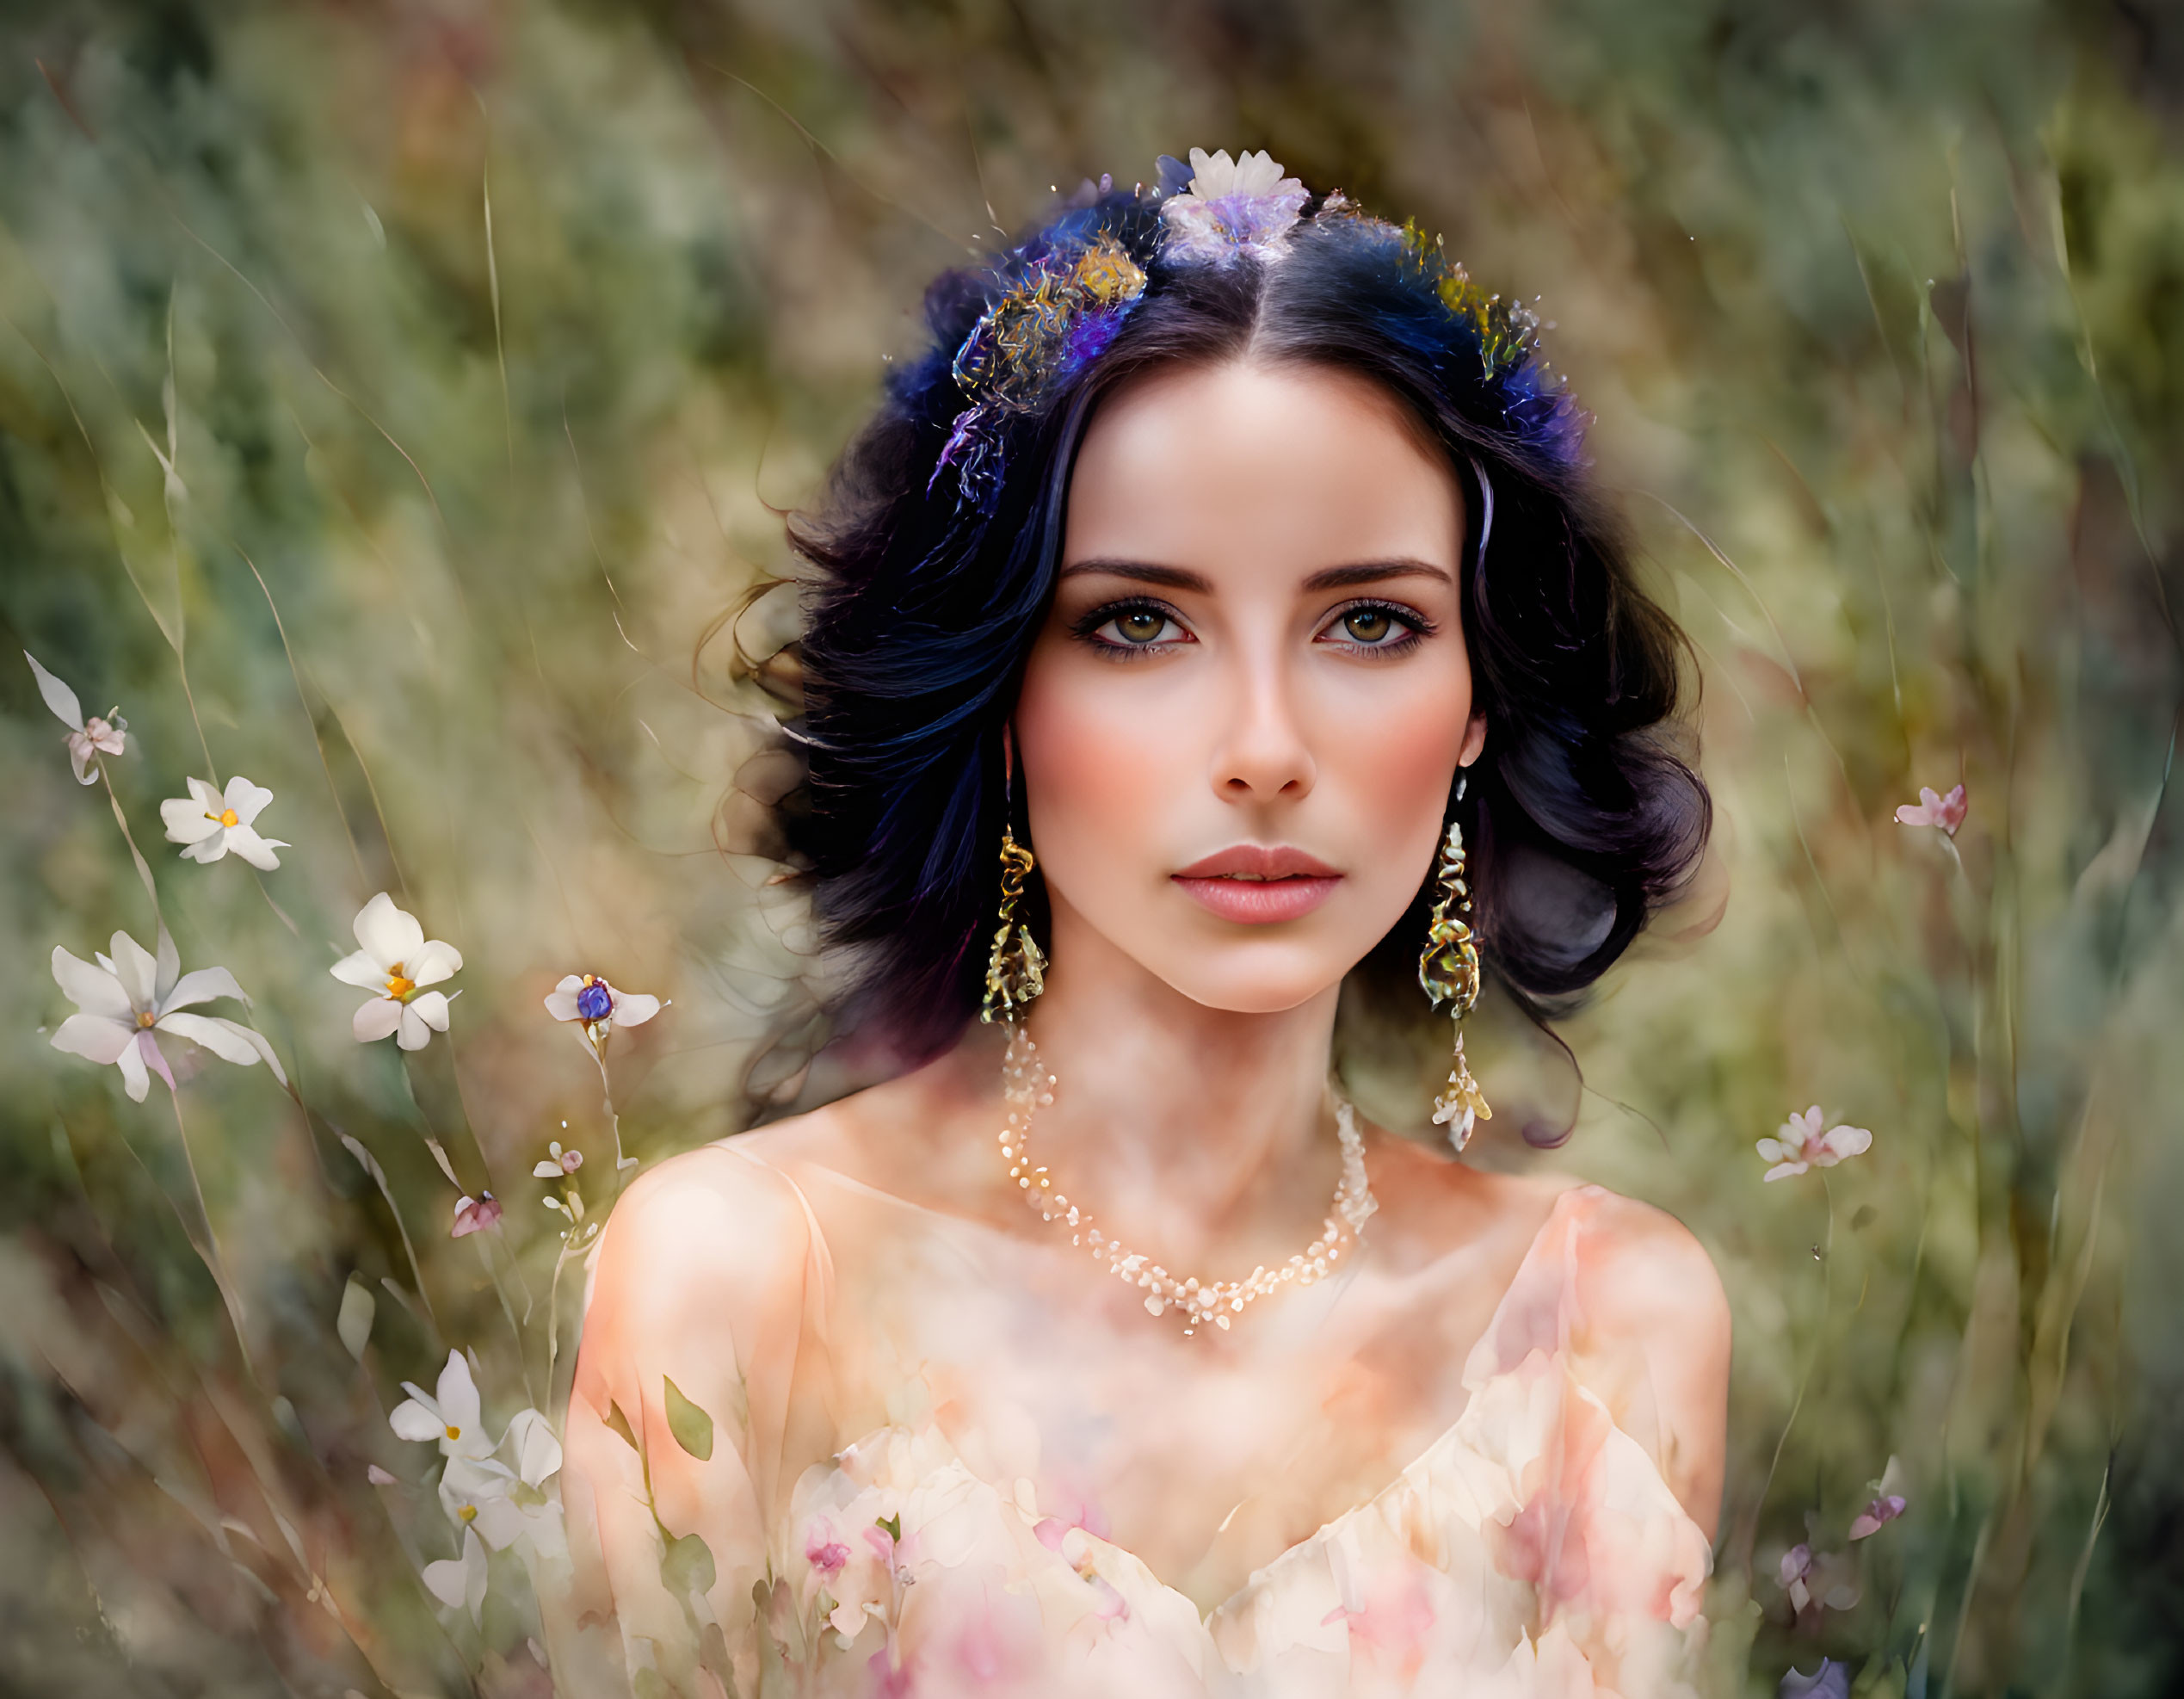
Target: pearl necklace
[(1026, 1087)]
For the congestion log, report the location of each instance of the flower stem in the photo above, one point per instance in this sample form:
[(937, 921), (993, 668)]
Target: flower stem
[(1812, 1361), (613, 1121), (144, 867), (209, 1253), (515, 1330)]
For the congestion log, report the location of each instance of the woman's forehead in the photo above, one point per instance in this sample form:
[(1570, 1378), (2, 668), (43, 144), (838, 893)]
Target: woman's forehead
[(1281, 467)]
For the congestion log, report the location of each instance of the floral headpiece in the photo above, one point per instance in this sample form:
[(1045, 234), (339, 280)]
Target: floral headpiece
[(1231, 207), (1063, 307), (1055, 302)]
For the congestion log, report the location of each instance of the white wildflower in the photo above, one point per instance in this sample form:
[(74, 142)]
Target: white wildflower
[(449, 1413), (397, 962), (460, 1583), (132, 995), (209, 823)]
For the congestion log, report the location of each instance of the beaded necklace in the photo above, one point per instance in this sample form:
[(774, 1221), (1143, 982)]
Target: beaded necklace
[(1026, 1087)]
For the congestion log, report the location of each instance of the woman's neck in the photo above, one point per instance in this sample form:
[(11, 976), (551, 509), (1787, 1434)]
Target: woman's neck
[(1193, 1133)]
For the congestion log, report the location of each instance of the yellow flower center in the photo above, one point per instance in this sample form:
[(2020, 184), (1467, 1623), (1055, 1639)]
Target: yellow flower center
[(468, 1513), (397, 987), (226, 817), (146, 1018), (454, 1432)]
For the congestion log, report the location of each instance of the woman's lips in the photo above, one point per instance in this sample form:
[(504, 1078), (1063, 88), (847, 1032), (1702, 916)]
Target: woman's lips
[(1254, 885)]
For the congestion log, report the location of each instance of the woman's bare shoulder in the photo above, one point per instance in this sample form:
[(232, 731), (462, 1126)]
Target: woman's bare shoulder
[(710, 1225), (1654, 1273), (1654, 1303), (1656, 1268)]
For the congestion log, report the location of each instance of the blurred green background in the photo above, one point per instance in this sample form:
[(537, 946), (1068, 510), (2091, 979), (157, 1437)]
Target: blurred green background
[(398, 402)]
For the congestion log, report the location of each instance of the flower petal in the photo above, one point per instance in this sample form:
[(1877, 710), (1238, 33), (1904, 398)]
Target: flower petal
[(412, 1420), (257, 851), (1842, 1141), (222, 1038), (543, 1170), (531, 1440), (206, 850), (202, 987), (561, 1001), (93, 990), (1783, 1169), (634, 1008), (58, 697), (431, 1008), (168, 968), (186, 822), (134, 1080), (445, 1580), (388, 934), (137, 971), (375, 1020), (460, 1581), (431, 962), (256, 1040), (247, 799), (457, 1395), (103, 1040), (148, 1047), (358, 968)]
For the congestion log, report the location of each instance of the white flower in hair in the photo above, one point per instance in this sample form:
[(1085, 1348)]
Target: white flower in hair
[(1232, 204)]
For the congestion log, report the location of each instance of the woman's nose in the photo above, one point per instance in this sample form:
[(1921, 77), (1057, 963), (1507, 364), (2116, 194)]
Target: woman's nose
[(1263, 752)]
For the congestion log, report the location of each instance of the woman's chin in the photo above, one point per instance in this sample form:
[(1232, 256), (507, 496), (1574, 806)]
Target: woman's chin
[(1251, 986)]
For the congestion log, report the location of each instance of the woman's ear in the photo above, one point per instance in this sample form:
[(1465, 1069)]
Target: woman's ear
[(1474, 740)]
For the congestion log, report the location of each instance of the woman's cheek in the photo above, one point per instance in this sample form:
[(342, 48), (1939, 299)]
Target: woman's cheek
[(1397, 758), (1096, 767)]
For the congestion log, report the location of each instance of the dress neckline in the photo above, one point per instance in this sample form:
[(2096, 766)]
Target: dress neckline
[(1507, 1328)]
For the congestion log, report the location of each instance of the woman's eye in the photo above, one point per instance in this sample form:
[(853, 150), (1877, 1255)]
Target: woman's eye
[(1139, 627), (1369, 625)]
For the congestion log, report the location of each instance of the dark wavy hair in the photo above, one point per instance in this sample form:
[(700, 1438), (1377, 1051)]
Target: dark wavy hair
[(937, 555)]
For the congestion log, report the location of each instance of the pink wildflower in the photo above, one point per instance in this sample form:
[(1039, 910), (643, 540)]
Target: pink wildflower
[(1796, 1565), (1933, 810), (1877, 1516), (1798, 1145), (474, 1215)]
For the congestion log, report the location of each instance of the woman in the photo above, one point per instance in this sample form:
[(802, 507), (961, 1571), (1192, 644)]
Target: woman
[(1226, 568)]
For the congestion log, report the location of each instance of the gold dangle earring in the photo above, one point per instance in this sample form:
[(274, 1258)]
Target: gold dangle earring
[(1448, 971), (1016, 972)]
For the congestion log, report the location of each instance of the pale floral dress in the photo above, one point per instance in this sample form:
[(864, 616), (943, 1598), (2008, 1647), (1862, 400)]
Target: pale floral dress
[(1534, 1548)]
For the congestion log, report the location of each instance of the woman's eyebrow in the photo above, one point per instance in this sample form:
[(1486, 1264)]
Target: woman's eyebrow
[(1144, 571), (1330, 577), (1376, 571)]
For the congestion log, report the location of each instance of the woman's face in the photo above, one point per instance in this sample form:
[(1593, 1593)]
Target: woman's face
[(1239, 724)]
